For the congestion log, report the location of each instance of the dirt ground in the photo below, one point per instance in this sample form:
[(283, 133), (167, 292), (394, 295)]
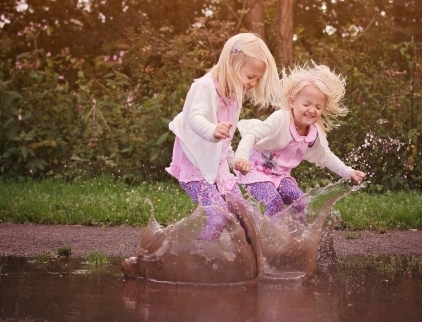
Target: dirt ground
[(24, 240)]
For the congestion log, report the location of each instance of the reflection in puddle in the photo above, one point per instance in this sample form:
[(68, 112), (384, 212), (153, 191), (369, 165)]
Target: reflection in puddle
[(349, 292)]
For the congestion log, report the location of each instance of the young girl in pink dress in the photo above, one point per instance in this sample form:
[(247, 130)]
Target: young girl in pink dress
[(270, 149), (202, 153)]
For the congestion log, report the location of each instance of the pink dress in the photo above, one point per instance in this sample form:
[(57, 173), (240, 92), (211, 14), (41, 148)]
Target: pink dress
[(273, 166), (183, 170)]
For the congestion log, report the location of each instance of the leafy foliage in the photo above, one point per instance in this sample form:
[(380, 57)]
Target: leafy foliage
[(81, 106)]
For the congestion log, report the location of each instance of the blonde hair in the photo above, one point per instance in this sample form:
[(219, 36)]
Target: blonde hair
[(331, 84), (236, 52)]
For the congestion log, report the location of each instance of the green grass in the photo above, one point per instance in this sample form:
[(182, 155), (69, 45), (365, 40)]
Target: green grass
[(97, 259), (401, 210), (64, 251), (42, 259), (99, 201), (104, 201)]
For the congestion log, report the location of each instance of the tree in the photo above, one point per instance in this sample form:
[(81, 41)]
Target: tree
[(268, 15), (256, 17), (285, 19)]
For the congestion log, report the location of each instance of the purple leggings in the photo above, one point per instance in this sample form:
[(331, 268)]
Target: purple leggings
[(274, 199), (207, 194)]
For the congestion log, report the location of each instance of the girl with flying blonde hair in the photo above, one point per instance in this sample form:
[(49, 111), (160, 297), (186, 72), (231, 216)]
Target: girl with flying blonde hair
[(202, 152), (270, 149)]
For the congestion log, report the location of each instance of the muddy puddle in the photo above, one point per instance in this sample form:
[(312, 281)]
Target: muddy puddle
[(65, 290), (268, 270)]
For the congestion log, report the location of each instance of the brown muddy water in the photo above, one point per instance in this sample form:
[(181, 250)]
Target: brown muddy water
[(65, 290)]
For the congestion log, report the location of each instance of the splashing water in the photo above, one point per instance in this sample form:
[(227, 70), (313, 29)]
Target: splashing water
[(178, 254), (249, 246), (289, 242)]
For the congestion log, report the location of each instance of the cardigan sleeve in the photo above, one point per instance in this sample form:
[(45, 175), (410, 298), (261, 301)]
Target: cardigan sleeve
[(200, 111), (322, 156), (334, 164), (264, 135), (230, 157), (245, 146)]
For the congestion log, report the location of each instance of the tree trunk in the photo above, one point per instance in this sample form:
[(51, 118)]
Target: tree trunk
[(285, 23), (256, 18)]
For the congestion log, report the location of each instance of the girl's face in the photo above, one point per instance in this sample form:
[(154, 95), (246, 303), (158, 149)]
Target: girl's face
[(307, 106), (252, 72)]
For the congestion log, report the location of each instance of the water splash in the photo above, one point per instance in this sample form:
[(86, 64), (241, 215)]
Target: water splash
[(177, 253), (289, 243), (284, 246)]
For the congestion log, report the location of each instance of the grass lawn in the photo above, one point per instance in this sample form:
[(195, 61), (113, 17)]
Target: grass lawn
[(103, 201)]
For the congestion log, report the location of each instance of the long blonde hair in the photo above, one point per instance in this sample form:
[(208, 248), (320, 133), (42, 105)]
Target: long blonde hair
[(235, 53), (331, 84)]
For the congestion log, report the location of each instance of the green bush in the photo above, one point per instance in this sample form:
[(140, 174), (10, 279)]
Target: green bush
[(64, 116)]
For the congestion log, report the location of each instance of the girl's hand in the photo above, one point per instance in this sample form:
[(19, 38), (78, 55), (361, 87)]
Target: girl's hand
[(357, 176), (222, 130), (242, 165)]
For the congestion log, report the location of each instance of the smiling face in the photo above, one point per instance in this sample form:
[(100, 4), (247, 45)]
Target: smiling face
[(251, 72), (307, 106)]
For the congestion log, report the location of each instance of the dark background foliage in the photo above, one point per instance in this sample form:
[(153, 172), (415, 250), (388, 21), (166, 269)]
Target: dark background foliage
[(89, 87)]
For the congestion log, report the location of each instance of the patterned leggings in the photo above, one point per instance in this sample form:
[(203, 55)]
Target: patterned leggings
[(208, 194), (274, 199)]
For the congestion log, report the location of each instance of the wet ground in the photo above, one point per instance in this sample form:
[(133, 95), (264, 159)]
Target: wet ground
[(32, 240), (67, 290), (353, 276), (363, 286)]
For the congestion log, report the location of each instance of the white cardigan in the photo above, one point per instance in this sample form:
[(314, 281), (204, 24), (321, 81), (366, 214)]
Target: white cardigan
[(195, 126), (274, 134)]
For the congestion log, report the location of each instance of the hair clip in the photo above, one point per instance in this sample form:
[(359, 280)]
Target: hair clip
[(236, 48)]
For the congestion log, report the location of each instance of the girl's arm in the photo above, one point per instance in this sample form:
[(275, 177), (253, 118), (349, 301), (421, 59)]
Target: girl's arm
[(252, 131), (245, 146), (231, 157), (322, 156), (334, 164), (243, 151), (201, 113), (337, 166)]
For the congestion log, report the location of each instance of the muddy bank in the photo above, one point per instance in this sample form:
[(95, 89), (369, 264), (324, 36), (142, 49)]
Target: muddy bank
[(31, 240)]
